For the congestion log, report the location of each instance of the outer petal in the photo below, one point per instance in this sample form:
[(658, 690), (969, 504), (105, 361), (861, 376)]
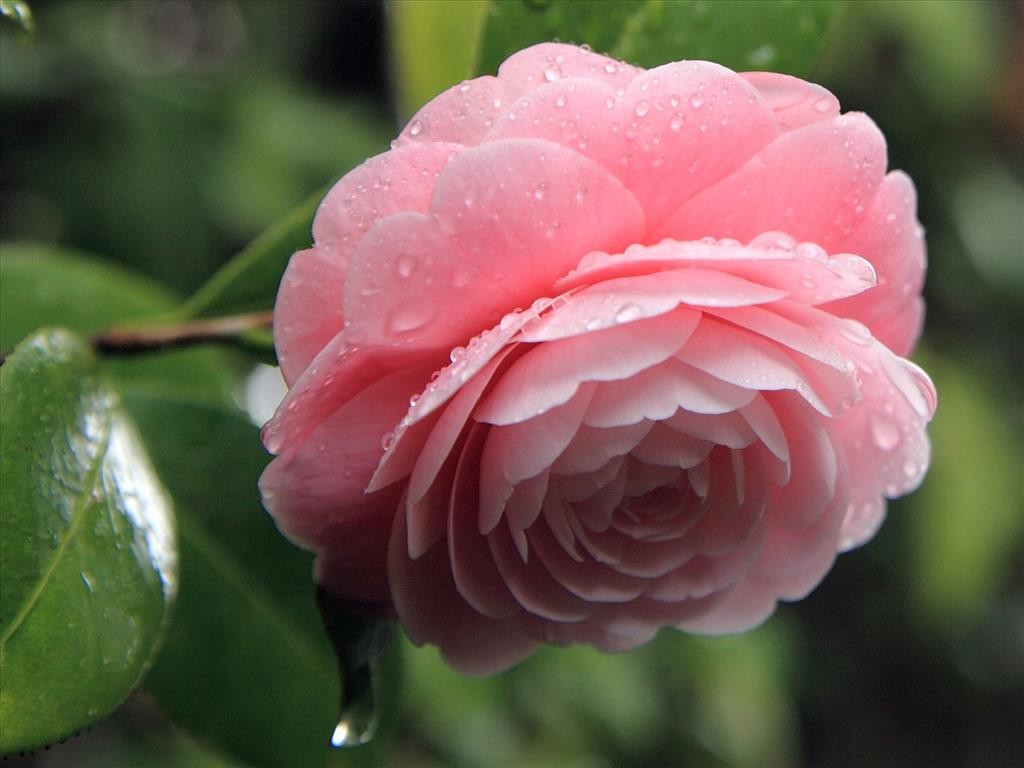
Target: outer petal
[(891, 238), (487, 247), (310, 487), (655, 135), (813, 183), (795, 102), (308, 312), (547, 62), (463, 114)]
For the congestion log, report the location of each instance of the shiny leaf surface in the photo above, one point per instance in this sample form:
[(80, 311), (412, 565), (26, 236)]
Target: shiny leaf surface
[(783, 36), (89, 558)]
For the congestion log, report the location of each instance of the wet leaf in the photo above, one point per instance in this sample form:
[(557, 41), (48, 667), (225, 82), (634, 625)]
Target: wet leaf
[(246, 667), (89, 559), (249, 281), (44, 285), (784, 36), (19, 12)]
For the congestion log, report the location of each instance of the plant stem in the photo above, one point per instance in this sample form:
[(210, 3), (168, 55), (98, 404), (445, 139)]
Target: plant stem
[(227, 329)]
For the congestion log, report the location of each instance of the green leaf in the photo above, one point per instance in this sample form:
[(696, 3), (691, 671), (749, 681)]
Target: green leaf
[(249, 281), (246, 666), (783, 36), (18, 12), (44, 285), (89, 558)]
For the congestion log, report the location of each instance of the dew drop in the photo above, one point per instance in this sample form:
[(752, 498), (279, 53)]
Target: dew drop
[(697, 102), (406, 265), (538, 192), (560, 100), (416, 128), (642, 109), (611, 68), (673, 101), (676, 123), (811, 251), (774, 241), (855, 331), (910, 469), (823, 105), (409, 317), (553, 73), (457, 354), (627, 313), (462, 277), (386, 440), (885, 433)]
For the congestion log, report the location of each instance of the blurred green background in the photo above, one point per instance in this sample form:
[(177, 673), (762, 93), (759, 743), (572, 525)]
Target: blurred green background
[(166, 134)]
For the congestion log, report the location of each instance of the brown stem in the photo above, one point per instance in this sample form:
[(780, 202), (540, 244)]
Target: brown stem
[(127, 341)]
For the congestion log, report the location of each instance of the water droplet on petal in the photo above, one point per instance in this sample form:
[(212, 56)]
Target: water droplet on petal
[(627, 313), (416, 128), (642, 109), (855, 331), (676, 123), (552, 73), (697, 102), (823, 105), (611, 68), (774, 241), (413, 315), (885, 433), (538, 192), (811, 251), (560, 100), (406, 265)]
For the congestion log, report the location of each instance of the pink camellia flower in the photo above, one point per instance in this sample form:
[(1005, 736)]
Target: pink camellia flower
[(594, 350)]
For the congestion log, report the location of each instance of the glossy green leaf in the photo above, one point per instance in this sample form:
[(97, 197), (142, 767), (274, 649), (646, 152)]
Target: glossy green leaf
[(19, 12), (89, 559), (249, 281), (44, 285), (782, 36), (246, 666)]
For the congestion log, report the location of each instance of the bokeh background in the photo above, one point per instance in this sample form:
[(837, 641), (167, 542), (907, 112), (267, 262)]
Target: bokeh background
[(166, 134)]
